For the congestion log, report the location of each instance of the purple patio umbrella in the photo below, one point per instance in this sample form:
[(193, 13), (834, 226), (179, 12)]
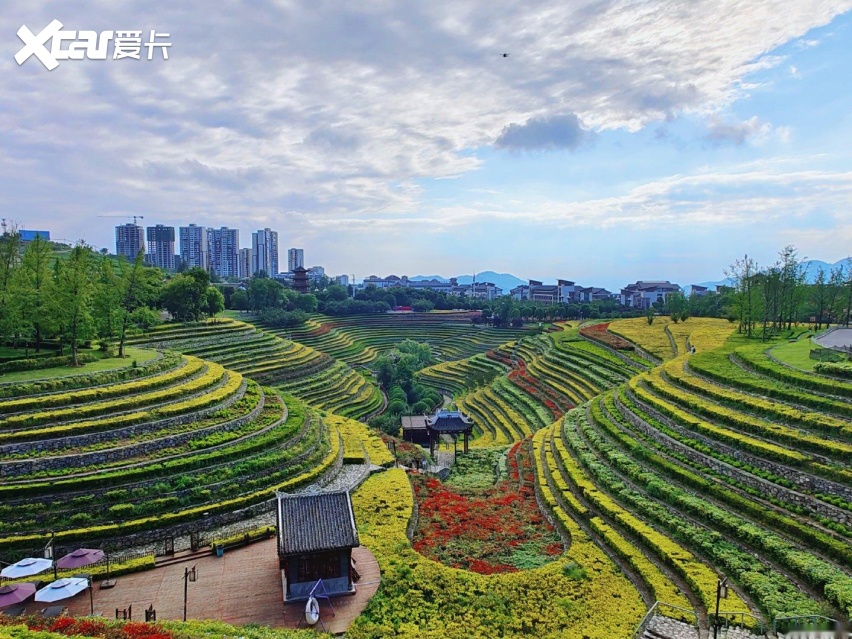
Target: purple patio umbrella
[(15, 594), (79, 558)]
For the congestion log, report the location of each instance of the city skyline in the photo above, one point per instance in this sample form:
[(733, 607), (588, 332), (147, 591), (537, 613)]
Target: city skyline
[(617, 140)]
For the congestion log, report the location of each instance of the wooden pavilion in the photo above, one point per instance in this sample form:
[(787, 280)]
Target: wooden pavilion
[(316, 535), (448, 422)]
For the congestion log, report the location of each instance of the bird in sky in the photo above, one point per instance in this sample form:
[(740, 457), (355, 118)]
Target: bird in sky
[(505, 55)]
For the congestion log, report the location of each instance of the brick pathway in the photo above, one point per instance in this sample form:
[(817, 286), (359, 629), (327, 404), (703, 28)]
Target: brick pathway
[(242, 587)]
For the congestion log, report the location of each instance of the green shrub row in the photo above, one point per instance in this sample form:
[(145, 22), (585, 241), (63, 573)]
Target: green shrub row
[(38, 363), (771, 591), (88, 380)]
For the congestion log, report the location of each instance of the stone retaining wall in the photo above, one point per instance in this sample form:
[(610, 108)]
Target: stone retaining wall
[(766, 487), (30, 466)]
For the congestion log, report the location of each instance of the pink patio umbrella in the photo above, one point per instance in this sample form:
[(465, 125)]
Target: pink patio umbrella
[(15, 594), (79, 558)]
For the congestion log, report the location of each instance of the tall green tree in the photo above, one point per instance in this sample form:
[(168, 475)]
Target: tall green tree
[(75, 287), (140, 288), (214, 301), (744, 273), (36, 288), (10, 316), (106, 299)]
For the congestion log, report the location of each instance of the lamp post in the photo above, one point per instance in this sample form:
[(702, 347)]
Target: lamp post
[(189, 574), (721, 593)]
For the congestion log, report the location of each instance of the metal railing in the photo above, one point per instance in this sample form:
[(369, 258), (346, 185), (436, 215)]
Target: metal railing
[(803, 622), (741, 618)]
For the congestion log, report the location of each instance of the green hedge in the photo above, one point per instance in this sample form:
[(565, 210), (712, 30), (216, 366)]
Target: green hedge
[(39, 362), (834, 369)]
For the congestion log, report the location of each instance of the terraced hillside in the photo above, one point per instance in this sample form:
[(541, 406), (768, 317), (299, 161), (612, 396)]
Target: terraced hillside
[(356, 339), (524, 385), (695, 466), (290, 367), (184, 439)]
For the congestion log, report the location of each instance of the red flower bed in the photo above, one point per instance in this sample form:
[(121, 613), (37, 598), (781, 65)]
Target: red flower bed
[(547, 395), (85, 627), (600, 333), (493, 530)]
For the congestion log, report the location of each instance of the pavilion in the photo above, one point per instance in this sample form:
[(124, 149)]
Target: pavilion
[(448, 422), (316, 535)]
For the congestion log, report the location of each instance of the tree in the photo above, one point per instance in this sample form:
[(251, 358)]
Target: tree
[(214, 302), (819, 296), (264, 293), (106, 300), (240, 300), (36, 288), (185, 296), (10, 243), (743, 273), (75, 287), (139, 287)]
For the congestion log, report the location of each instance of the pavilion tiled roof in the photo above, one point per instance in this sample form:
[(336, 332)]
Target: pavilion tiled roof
[(315, 522)]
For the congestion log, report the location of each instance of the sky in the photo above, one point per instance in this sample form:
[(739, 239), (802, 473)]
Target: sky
[(618, 140)]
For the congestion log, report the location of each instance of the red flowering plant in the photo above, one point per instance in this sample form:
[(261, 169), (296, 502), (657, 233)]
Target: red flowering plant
[(89, 627), (600, 333), (478, 523)]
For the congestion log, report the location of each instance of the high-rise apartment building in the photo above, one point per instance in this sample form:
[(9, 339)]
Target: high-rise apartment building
[(264, 246), (194, 246), (246, 265), (223, 247), (161, 246), (295, 259), (129, 240)]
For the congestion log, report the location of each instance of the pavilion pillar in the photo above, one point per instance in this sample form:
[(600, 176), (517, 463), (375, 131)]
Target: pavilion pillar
[(466, 434)]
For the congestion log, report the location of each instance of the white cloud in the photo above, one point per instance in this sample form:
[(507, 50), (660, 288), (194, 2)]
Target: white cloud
[(326, 112)]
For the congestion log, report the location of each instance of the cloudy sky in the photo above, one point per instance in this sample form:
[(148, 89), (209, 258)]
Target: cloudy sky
[(619, 140)]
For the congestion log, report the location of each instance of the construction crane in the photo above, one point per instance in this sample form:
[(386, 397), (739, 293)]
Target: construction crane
[(126, 217)]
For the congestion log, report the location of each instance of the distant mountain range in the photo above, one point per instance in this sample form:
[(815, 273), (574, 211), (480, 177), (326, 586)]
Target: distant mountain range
[(506, 281)]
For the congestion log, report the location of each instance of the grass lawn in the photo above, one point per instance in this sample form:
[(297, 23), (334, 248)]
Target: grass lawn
[(108, 363), (796, 354)]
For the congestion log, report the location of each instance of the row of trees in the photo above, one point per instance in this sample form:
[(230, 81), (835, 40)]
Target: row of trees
[(53, 296), (767, 300)]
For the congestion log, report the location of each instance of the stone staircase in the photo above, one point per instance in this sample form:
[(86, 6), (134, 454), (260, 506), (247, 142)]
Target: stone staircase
[(660, 627)]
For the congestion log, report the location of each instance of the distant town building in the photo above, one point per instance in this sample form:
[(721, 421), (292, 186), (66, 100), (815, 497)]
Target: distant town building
[(161, 247), (316, 273), (563, 292), (644, 294), (29, 236), (591, 293), (342, 280), (223, 247), (129, 240), (246, 264), (264, 246), (696, 290), (194, 246), (295, 258), (478, 290)]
